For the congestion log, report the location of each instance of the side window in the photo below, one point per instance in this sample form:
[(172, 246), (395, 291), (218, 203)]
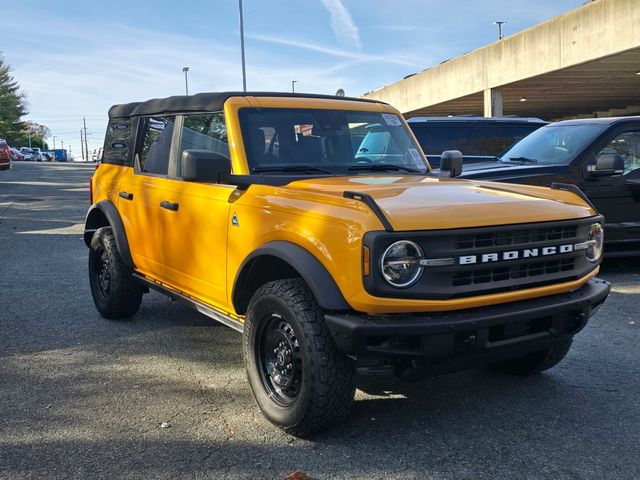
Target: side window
[(155, 149), (117, 140), (204, 132), (627, 145), (500, 138), (435, 139)]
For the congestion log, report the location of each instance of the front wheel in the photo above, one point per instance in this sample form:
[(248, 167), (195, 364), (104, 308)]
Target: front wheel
[(300, 380), (536, 362)]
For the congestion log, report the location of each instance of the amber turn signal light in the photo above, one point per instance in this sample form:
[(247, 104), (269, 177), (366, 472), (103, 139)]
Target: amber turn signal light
[(365, 261)]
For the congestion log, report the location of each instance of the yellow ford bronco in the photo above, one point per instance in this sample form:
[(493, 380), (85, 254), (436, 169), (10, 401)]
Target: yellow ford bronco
[(314, 225)]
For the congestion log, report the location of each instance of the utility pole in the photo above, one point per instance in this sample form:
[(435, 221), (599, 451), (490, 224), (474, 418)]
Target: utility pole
[(86, 147), (500, 34), (81, 146), (186, 82), (244, 71), (29, 132), (54, 142), (293, 86), (62, 142)]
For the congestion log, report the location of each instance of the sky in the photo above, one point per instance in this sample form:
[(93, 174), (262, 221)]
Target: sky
[(75, 59)]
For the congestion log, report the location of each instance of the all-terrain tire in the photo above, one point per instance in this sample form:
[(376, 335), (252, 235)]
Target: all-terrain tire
[(536, 362), (116, 293), (284, 316)]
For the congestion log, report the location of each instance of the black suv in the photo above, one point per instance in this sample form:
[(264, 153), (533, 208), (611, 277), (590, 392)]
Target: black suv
[(480, 139), (599, 155)]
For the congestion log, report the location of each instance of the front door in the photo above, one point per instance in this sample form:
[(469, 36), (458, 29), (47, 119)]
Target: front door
[(196, 243), (618, 197)]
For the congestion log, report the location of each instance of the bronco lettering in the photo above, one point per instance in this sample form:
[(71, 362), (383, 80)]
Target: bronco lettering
[(514, 254)]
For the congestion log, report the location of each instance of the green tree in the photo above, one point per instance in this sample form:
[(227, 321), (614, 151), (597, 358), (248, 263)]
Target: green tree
[(13, 104)]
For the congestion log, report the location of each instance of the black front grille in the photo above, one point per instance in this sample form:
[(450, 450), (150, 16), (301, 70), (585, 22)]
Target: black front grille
[(512, 272), (515, 237), (487, 260)]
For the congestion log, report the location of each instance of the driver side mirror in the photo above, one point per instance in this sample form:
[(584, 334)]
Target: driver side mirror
[(607, 165), (204, 166), (451, 163)]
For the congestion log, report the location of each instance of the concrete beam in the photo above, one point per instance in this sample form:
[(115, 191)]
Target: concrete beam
[(595, 30)]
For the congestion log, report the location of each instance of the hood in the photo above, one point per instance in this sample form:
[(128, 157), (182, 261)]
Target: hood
[(420, 203)]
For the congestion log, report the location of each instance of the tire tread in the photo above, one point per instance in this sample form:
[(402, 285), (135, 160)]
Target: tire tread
[(332, 375), (126, 292)]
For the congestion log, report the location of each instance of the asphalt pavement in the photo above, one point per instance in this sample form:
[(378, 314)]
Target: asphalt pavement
[(165, 396)]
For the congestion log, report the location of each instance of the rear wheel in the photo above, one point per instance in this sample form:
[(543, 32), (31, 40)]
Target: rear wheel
[(300, 380), (116, 294), (536, 362)]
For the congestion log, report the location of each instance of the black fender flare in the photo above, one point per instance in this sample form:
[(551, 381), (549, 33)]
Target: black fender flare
[(311, 270), (110, 212)]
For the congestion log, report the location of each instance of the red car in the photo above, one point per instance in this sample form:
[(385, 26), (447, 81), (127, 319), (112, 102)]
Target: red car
[(5, 156)]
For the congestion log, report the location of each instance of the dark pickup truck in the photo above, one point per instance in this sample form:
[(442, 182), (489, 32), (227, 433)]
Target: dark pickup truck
[(599, 155)]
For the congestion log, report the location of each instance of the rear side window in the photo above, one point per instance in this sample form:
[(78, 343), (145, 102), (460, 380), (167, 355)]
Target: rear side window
[(501, 137), (117, 142), (154, 148), (435, 139)]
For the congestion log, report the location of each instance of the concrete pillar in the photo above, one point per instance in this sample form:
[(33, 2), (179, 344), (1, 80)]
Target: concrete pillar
[(493, 102)]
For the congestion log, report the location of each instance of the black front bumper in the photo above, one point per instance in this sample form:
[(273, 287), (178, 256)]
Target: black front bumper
[(489, 333)]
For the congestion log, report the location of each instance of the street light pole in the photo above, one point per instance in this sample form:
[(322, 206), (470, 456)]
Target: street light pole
[(244, 71), (293, 86), (499, 23), (186, 82)]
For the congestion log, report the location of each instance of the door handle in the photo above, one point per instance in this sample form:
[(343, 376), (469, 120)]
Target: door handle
[(126, 195), (169, 205)]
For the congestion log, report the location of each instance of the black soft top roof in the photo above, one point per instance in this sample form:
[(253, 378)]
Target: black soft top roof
[(203, 102)]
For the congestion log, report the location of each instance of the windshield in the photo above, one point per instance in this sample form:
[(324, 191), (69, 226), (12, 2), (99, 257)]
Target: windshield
[(553, 144), (327, 141)]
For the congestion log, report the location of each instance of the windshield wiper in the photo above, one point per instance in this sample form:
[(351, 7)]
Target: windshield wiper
[(383, 167), (292, 168), (522, 159)]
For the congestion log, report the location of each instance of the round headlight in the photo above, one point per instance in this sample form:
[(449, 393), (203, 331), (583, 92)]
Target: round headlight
[(596, 242), (400, 263)]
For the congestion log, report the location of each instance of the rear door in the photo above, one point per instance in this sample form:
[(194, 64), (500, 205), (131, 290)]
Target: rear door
[(617, 197), (145, 200)]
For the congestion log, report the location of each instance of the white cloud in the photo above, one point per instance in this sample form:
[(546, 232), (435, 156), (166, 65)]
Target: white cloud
[(356, 56), (342, 24)]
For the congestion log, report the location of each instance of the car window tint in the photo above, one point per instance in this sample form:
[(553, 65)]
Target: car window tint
[(627, 145), (155, 148), (116, 142), (204, 132), (435, 139), (501, 137)]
